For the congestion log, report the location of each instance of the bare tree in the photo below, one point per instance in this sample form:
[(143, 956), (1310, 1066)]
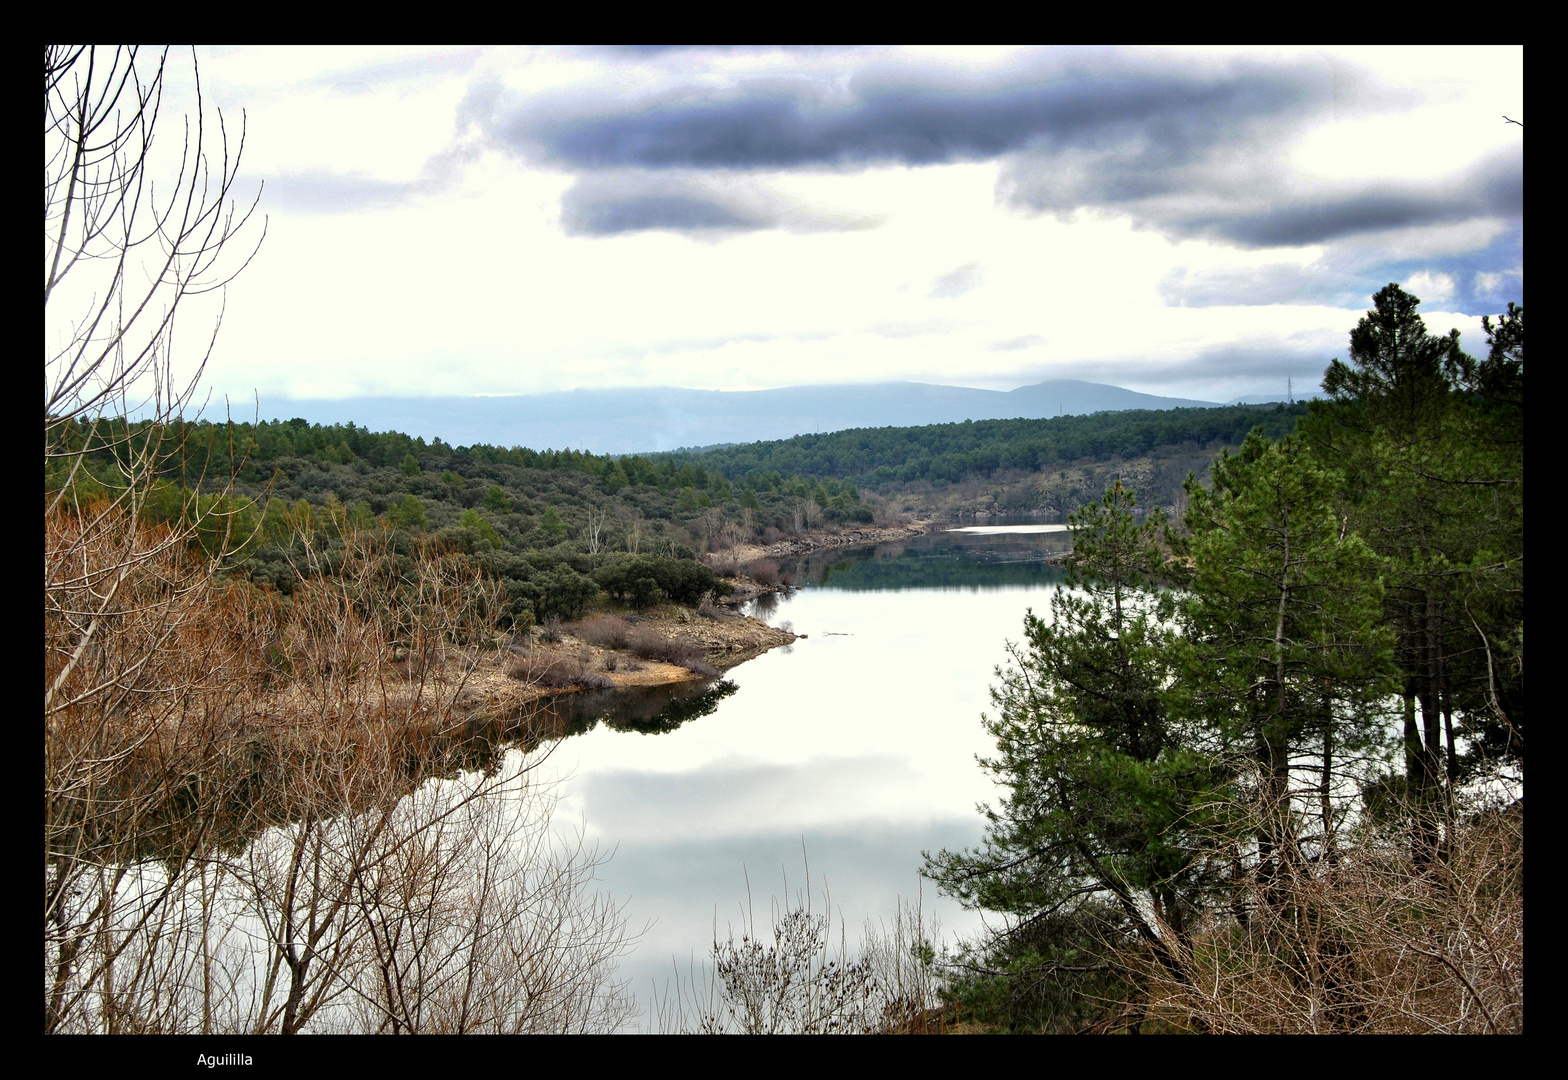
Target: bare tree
[(258, 813), (123, 254), (121, 257), (593, 530)]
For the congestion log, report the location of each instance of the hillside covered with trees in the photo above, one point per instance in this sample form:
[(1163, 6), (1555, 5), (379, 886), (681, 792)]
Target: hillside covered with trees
[(554, 527)]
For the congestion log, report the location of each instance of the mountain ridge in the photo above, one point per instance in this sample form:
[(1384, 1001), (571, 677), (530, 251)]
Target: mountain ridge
[(653, 419)]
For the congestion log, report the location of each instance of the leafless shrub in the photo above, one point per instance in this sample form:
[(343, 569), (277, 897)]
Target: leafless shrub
[(226, 844), (554, 669), (605, 631), (648, 644), (798, 983), (1370, 940), (764, 572), (725, 566)]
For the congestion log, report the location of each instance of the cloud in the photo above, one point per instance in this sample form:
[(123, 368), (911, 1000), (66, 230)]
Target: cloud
[(911, 112), (609, 204), (1253, 203), (324, 192), (1190, 145), (723, 799), (1275, 283), (1255, 363), (1028, 341), (1457, 272), (956, 282), (1430, 287), (400, 70)]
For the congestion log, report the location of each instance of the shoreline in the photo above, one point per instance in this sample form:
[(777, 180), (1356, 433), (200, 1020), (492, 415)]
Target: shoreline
[(724, 637), (816, 541)]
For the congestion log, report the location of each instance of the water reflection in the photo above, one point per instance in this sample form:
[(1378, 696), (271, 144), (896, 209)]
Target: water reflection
[(765, 606), (1022, 530), (986, 557), (853, 753), (648, 710)]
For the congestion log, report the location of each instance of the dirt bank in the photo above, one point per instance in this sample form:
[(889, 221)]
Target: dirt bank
[(531, 667)]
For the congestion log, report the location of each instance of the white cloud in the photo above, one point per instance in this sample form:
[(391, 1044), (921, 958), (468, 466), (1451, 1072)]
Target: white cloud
[(1430, 286)]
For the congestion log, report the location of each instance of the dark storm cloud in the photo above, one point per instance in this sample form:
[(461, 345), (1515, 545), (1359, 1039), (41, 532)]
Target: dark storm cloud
[(1242, 199), (1329, 219), (909, 113), (608, 204), (594, 207), (1187, 145), (1495, 188)]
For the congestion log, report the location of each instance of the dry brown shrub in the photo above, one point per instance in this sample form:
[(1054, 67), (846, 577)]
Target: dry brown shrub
[(791, 978), (1370, 939), (554, 669), (764, 572), (606, 631), (725, 565), (240, 806)]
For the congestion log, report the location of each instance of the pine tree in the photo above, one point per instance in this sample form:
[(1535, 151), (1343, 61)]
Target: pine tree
[(1102, 788), (1284, 658), (1430, 443)]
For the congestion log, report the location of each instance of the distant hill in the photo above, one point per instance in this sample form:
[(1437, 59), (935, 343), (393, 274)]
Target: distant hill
[(665, 418)]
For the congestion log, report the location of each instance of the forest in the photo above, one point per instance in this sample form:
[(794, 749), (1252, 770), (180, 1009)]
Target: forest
[(1264, 765), (552, 527)]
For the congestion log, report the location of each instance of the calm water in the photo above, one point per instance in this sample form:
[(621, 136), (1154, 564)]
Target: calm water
[(856, 746)]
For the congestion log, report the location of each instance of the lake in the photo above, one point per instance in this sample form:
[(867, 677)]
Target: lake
[(853, 749)]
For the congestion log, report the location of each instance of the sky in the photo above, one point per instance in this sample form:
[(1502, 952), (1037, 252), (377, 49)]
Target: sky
[(1203, 224)]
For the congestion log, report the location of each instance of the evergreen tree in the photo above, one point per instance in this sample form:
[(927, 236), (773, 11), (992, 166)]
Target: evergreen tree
[(1102, 786), (1430, 443), (1283, 657)]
